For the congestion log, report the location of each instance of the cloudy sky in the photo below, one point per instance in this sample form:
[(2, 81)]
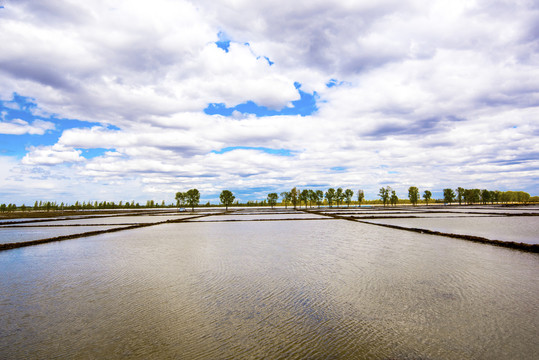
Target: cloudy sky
[(135, 100)]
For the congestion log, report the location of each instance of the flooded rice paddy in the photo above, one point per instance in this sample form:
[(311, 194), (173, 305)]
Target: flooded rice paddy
[(275, 285)]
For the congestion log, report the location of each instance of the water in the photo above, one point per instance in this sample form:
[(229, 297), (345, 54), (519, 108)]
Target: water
[(248, 216), (330, 289), (18, 234), (112, 220), (518, 229)]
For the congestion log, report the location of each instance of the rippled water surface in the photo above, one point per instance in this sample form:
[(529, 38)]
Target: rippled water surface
[(22, 234), (513, 228), (331, 289)]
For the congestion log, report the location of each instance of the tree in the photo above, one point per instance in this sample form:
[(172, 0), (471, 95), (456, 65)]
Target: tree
[(192, 198), (272, 199), (360, 197), (226, 198), (384, 194), (348, 193), (304, 196), (394, 198), (339, 196), (449, 196), (427, 196), (312, 198), (330, 196), (460, 195), (485, 196), (294, 196), (285, 195), (319, 197), (413, 194), (180, 199)]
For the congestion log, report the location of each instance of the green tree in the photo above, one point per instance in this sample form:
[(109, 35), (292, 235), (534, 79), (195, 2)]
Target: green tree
[(304, 196), (449, 196), (312, 198), (460, 195), (180, 199), (348, 194), (360, 197), (319, 197), (384, 194), (272, 199), (227, 198), (330, 196), (294, 196), (285, 195), (339, 196), (427, 196), (413, 195), (485, 196), (394, 198), (192, 198)]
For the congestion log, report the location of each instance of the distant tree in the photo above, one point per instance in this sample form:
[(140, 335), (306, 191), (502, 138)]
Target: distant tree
[(360, 197), (304, 196), (312, 198), (3, 207), (330, 196), (23, 208), (494, 196), (272, 199), (348, 194), (427, 195), (192, 198), (227, 198), (294, 197), (521, 196), (384, 194), (449, 196), (460, 195), (36, 206), (319, 197), (180, 199), (339, 196), (413, 195), (471, 196), (485, 196), (476, 195), (285, 195), (394, 198)]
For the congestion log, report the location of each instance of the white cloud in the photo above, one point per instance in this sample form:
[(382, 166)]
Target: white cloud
[(51, 155), (21, 127), (434, 94)]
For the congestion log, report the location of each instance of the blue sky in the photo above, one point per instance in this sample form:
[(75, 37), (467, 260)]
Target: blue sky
[(132, 101)]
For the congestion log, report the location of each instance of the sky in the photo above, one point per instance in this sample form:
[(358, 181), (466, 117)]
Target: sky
[(122, 100)]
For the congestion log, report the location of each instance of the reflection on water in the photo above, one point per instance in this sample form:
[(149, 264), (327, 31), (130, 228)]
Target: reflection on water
[(518, 229), (307, 289), (22, 234)]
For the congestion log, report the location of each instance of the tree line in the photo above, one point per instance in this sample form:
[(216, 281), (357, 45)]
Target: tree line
[(54, 206), (309, 198), (296, 197), (473, 196)]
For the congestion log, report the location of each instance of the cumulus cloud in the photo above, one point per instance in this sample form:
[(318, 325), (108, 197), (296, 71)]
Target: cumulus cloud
[(434, 94), (20, 127), (51, 155)]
